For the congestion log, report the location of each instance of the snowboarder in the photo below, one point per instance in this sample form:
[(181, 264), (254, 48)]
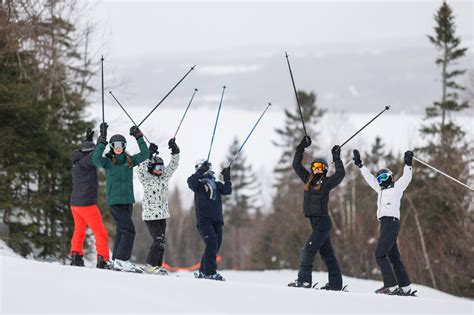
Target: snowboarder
[(317, 186), (85, 186), (118, 167), (154, 177), (209, 218), (390, 192)]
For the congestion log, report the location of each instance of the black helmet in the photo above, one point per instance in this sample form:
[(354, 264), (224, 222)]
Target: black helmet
[(321, 160), (118, 138), (87, 146), (384, 177), (155, 162)]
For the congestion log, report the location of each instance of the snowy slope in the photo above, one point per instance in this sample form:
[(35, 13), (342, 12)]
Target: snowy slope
[(35, 287)]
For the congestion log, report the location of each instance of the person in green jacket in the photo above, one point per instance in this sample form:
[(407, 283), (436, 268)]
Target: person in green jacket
[(118, 167)]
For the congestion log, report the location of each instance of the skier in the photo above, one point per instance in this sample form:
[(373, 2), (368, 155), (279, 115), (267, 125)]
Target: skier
[(390, 192), (208, 205), (85, 186), (154, 177), (118, 167), (316, 197)]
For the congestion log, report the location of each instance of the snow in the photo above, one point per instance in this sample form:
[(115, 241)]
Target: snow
[(38, 287)]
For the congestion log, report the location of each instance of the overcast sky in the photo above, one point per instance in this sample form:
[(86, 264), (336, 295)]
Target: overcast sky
[(134, 28)]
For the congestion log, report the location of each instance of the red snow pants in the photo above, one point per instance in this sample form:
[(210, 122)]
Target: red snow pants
[(89, 216)]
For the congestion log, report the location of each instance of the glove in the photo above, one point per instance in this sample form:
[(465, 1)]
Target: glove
[(102, 140), (356, 158), (305, 142), (204, 168), (153, 148), (408, 158), (134, 131), (103, 129), (336, 153), (173, 146), (226, 174), (89, 134)]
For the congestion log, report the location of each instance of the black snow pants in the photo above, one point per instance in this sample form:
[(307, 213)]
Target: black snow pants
[(125, 229), (387, 254), (320, 241), (211, 233), (157, 229)]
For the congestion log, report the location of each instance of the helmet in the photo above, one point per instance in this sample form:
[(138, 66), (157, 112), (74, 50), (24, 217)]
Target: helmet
[(321, 161), (384, 177), (118, 139), (87, 146), (155, 163), (200, 162)]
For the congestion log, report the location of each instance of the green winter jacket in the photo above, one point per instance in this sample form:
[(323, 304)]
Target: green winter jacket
[(119, 176)]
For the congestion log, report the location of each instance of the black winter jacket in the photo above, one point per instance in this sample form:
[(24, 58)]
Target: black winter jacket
[(208, 210), (316, 201), (85, 183)]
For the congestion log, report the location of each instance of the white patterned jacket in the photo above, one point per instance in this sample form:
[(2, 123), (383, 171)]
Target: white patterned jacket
[(155, 190)]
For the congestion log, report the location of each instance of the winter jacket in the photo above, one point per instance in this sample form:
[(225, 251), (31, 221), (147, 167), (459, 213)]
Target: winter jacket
[(316, 200), (388, 201), (207, 209), (155, 199), (85, 183), (119, 176)]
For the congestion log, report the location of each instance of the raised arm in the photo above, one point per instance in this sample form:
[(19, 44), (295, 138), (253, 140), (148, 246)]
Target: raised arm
[(193, 180), (302, 173), (143, 154), (226, 187), (171, 167), (369, 178), (403, 182), (338, 176), (97, 157)]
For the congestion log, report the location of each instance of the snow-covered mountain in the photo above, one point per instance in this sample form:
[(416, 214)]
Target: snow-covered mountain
[(29, 286)]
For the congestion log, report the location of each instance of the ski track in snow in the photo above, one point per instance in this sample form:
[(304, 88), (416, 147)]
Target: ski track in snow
[(37, 287)]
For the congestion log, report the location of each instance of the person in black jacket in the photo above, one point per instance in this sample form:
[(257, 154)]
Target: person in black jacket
[(317, 186), (85, 186), (209, 218)]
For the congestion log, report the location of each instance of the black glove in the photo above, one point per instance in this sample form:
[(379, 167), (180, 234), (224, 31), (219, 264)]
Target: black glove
[(153, 148), (103, 129), (226, 174), (134, 131), (173, 146), (336, 153), (102, 140), (89, 134), (356, 158), (408, 158), (305, 142), (204, 167)]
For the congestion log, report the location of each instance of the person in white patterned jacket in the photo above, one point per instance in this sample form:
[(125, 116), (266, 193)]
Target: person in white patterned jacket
[(154, 177)]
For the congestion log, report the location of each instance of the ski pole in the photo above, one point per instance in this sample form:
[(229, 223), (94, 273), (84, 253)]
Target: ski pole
[(215, 125), (102, 71), (127, 114), (174, 87), (386, 108), (184, 115), (240, 149), (296, 93), (437, 170)]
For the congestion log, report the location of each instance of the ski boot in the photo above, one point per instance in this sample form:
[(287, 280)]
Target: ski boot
[(402, 292), (332, 288), (198, 274), (127, 266), (217, 276), (156, 270), (104, 264), (299, 284), (76, 259), (387, 290)]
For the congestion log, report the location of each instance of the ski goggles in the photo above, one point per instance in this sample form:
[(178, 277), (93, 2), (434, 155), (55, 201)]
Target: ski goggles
[(158, 167), (383, 177), (318, 166), (118, 145)]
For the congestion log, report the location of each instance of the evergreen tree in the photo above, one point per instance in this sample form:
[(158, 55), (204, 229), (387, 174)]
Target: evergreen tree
[(47, 89)]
